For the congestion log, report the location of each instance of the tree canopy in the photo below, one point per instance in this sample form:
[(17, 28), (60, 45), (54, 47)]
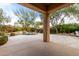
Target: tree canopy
[(58, 18)]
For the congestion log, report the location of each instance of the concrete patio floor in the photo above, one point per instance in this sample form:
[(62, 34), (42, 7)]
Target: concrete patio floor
[(32, 45)]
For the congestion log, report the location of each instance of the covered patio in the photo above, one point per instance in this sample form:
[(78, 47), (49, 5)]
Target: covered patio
[(32, 45), (46, 9), (35, 46)]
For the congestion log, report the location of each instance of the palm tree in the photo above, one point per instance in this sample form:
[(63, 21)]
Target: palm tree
[(26, 17), (23, 16), (33, 16)]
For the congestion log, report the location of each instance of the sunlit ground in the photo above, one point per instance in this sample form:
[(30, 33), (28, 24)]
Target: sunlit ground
[(24, 45), (71, 41)]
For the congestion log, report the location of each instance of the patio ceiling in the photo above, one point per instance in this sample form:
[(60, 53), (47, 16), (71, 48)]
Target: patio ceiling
[(45, 7)]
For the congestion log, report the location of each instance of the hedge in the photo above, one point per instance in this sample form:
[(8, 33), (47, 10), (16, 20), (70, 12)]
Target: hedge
[(65, 28)]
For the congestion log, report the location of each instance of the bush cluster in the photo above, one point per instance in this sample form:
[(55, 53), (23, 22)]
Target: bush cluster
[(3, 39), (65, 28), (2, 34), (12, 34)]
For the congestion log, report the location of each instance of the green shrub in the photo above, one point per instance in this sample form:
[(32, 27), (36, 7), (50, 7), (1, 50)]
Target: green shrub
[(32, 29), (40, 30), (24, 32), (53, 30), (3, 39), (17, 29), (65, 28), (2, 34), (12, 34)]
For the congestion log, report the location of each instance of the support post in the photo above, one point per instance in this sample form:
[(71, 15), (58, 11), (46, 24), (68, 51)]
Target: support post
[(46, 28)]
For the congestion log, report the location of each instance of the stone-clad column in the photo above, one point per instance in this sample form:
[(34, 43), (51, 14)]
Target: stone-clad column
[(46, 28)]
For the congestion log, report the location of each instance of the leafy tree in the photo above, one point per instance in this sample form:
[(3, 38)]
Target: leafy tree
[(32, 16), (38, 25), (23, 17), (3, 19), (65, 12), (26, 17), (42, 17)]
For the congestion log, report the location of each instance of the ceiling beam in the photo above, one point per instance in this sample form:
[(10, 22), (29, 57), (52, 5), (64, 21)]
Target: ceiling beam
[(39, 5), (41, 8), (58, 6), (38, 8)]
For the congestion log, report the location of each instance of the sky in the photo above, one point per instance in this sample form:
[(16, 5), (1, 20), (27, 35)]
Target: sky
[(9, 8)]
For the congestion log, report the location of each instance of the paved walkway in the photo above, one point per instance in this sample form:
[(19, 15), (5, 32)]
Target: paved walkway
[(32, 45), (71, 41)]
